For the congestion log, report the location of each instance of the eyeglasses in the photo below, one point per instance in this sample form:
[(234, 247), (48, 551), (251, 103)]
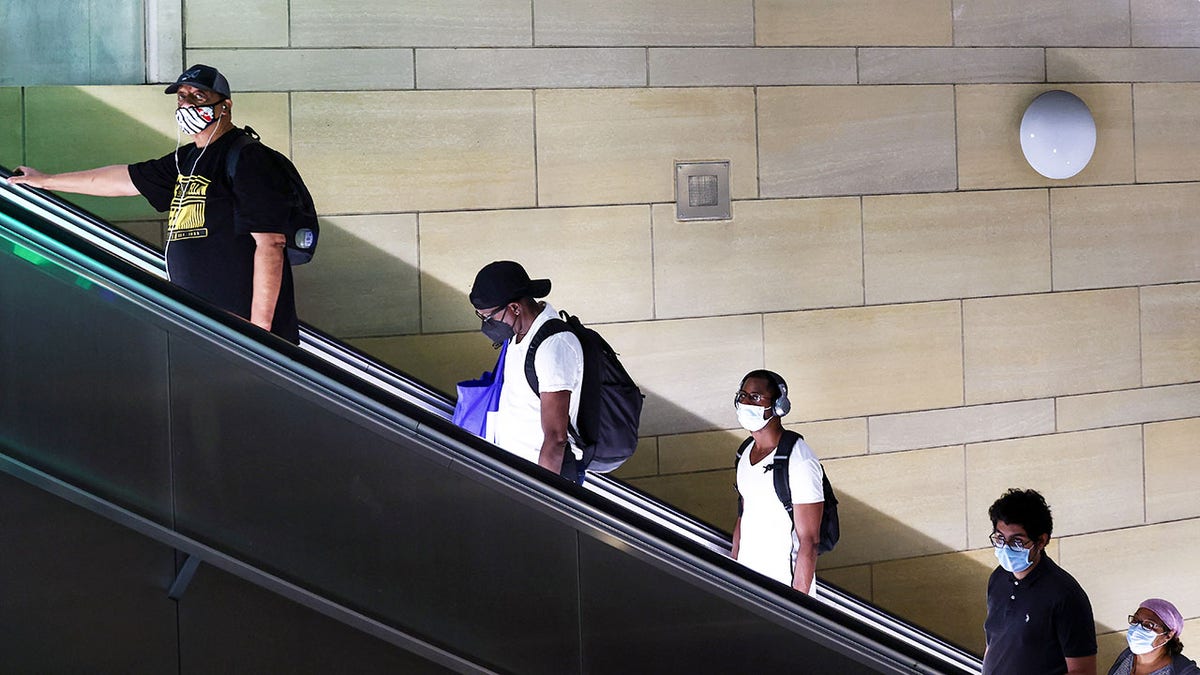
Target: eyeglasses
[(198, 97), (1017, 543), (753, 397), (487, 318), (1152, 626)]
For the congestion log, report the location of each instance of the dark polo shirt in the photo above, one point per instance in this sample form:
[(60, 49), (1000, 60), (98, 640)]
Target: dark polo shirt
[(1034, 624)]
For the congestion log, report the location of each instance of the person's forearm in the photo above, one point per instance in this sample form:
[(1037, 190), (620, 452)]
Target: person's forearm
[(806, 565), (105, 181), (556, 418), (737, 538), (1081, 666), (806, 518), (268, 279), (552, 454)]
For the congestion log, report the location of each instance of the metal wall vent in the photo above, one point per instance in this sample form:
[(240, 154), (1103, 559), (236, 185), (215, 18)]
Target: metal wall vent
[(702, 191)]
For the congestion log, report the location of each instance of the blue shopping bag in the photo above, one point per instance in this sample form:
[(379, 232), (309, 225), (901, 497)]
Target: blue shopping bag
[(478, 397)]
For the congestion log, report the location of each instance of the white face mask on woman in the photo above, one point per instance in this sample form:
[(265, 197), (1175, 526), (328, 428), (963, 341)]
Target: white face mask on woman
[(752, 417)]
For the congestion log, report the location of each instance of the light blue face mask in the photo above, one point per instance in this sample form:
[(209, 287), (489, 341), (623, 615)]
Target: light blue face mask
[(1014, 561), (1141, 639)]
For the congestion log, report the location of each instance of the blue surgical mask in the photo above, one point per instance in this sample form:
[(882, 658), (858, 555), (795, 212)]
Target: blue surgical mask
[(1141, 640), (1014, 561)]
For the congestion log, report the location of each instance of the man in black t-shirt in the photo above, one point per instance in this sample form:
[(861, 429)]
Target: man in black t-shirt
[(225, 238), (1039, 619)]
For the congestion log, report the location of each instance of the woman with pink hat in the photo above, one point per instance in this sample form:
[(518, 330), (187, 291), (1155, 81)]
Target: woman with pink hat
[(1154, 646)]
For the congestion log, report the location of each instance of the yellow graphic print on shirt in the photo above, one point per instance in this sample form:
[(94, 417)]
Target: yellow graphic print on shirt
[(186, 218)]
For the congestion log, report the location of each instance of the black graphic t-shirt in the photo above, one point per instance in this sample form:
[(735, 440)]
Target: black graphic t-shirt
[(210, 250)]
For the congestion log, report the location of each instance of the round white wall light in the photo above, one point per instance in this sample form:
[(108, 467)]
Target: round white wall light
[(1058, 134)]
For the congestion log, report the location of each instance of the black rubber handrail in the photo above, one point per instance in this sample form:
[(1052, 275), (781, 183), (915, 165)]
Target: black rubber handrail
[(651, 513)]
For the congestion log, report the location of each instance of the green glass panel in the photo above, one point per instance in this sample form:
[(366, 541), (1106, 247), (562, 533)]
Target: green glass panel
[(74, 128), (11, 127), (72, 42)]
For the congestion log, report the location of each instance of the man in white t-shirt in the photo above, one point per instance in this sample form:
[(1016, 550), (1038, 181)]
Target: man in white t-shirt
[(766, 538), (530, 425)]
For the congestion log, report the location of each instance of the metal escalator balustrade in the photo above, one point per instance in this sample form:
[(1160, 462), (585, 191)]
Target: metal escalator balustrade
[(647, 509)]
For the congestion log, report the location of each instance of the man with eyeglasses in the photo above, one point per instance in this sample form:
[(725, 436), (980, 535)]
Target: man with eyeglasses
[(532, 425), (1039, 619), (226, 238), (769, 537)]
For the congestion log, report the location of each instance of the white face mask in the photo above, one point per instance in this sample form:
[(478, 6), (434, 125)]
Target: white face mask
[(193, 120), (752, 417)]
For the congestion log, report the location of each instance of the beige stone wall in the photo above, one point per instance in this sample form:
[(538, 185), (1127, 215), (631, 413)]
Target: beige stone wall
[(951, 323)]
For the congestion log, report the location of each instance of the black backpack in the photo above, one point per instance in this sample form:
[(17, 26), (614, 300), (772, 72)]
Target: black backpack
[(303, 228), (830, 528), (610, 404)]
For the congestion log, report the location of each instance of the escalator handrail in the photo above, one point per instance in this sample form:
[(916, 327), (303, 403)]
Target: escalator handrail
[(538, 489), (119, 244), (348, 360)]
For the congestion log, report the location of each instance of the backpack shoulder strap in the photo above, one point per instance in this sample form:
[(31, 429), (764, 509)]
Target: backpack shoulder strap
[(244, 137), (551, 327), (738, 458), (783, 453), (742, 450), (786, 443)]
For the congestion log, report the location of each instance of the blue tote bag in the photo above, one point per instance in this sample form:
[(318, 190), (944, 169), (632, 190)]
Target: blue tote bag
[(476, 398)]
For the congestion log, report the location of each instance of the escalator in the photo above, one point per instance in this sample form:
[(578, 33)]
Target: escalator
[(183, 492)]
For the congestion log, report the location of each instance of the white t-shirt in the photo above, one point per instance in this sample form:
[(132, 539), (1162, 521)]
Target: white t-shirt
[(767, 540), (517, 425)]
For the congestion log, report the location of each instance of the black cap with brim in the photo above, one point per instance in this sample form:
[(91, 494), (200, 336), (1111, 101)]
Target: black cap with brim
[(502, 282), (202, 77)]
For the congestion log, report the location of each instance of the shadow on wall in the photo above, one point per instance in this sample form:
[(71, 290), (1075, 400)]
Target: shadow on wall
[(365, 285), (84, 128), (943, 590)]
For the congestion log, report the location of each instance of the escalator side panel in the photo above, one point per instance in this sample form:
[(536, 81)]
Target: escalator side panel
[(356, 498), (368, 518), (679, 627), (83, 385), (227, 625), (79, 593)]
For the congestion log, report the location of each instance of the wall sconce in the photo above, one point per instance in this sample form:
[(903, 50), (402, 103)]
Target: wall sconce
[(1058, 134)]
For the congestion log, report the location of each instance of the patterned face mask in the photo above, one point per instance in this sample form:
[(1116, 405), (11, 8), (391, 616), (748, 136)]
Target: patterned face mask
[(195, 119)]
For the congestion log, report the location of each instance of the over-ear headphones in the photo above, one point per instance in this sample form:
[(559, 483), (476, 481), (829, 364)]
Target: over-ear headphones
[(783, 405)]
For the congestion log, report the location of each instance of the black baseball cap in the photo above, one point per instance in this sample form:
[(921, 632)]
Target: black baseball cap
[(502, 282), (202, 77)]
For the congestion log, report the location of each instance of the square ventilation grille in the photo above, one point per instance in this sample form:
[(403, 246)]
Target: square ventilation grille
[(702, 191)]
